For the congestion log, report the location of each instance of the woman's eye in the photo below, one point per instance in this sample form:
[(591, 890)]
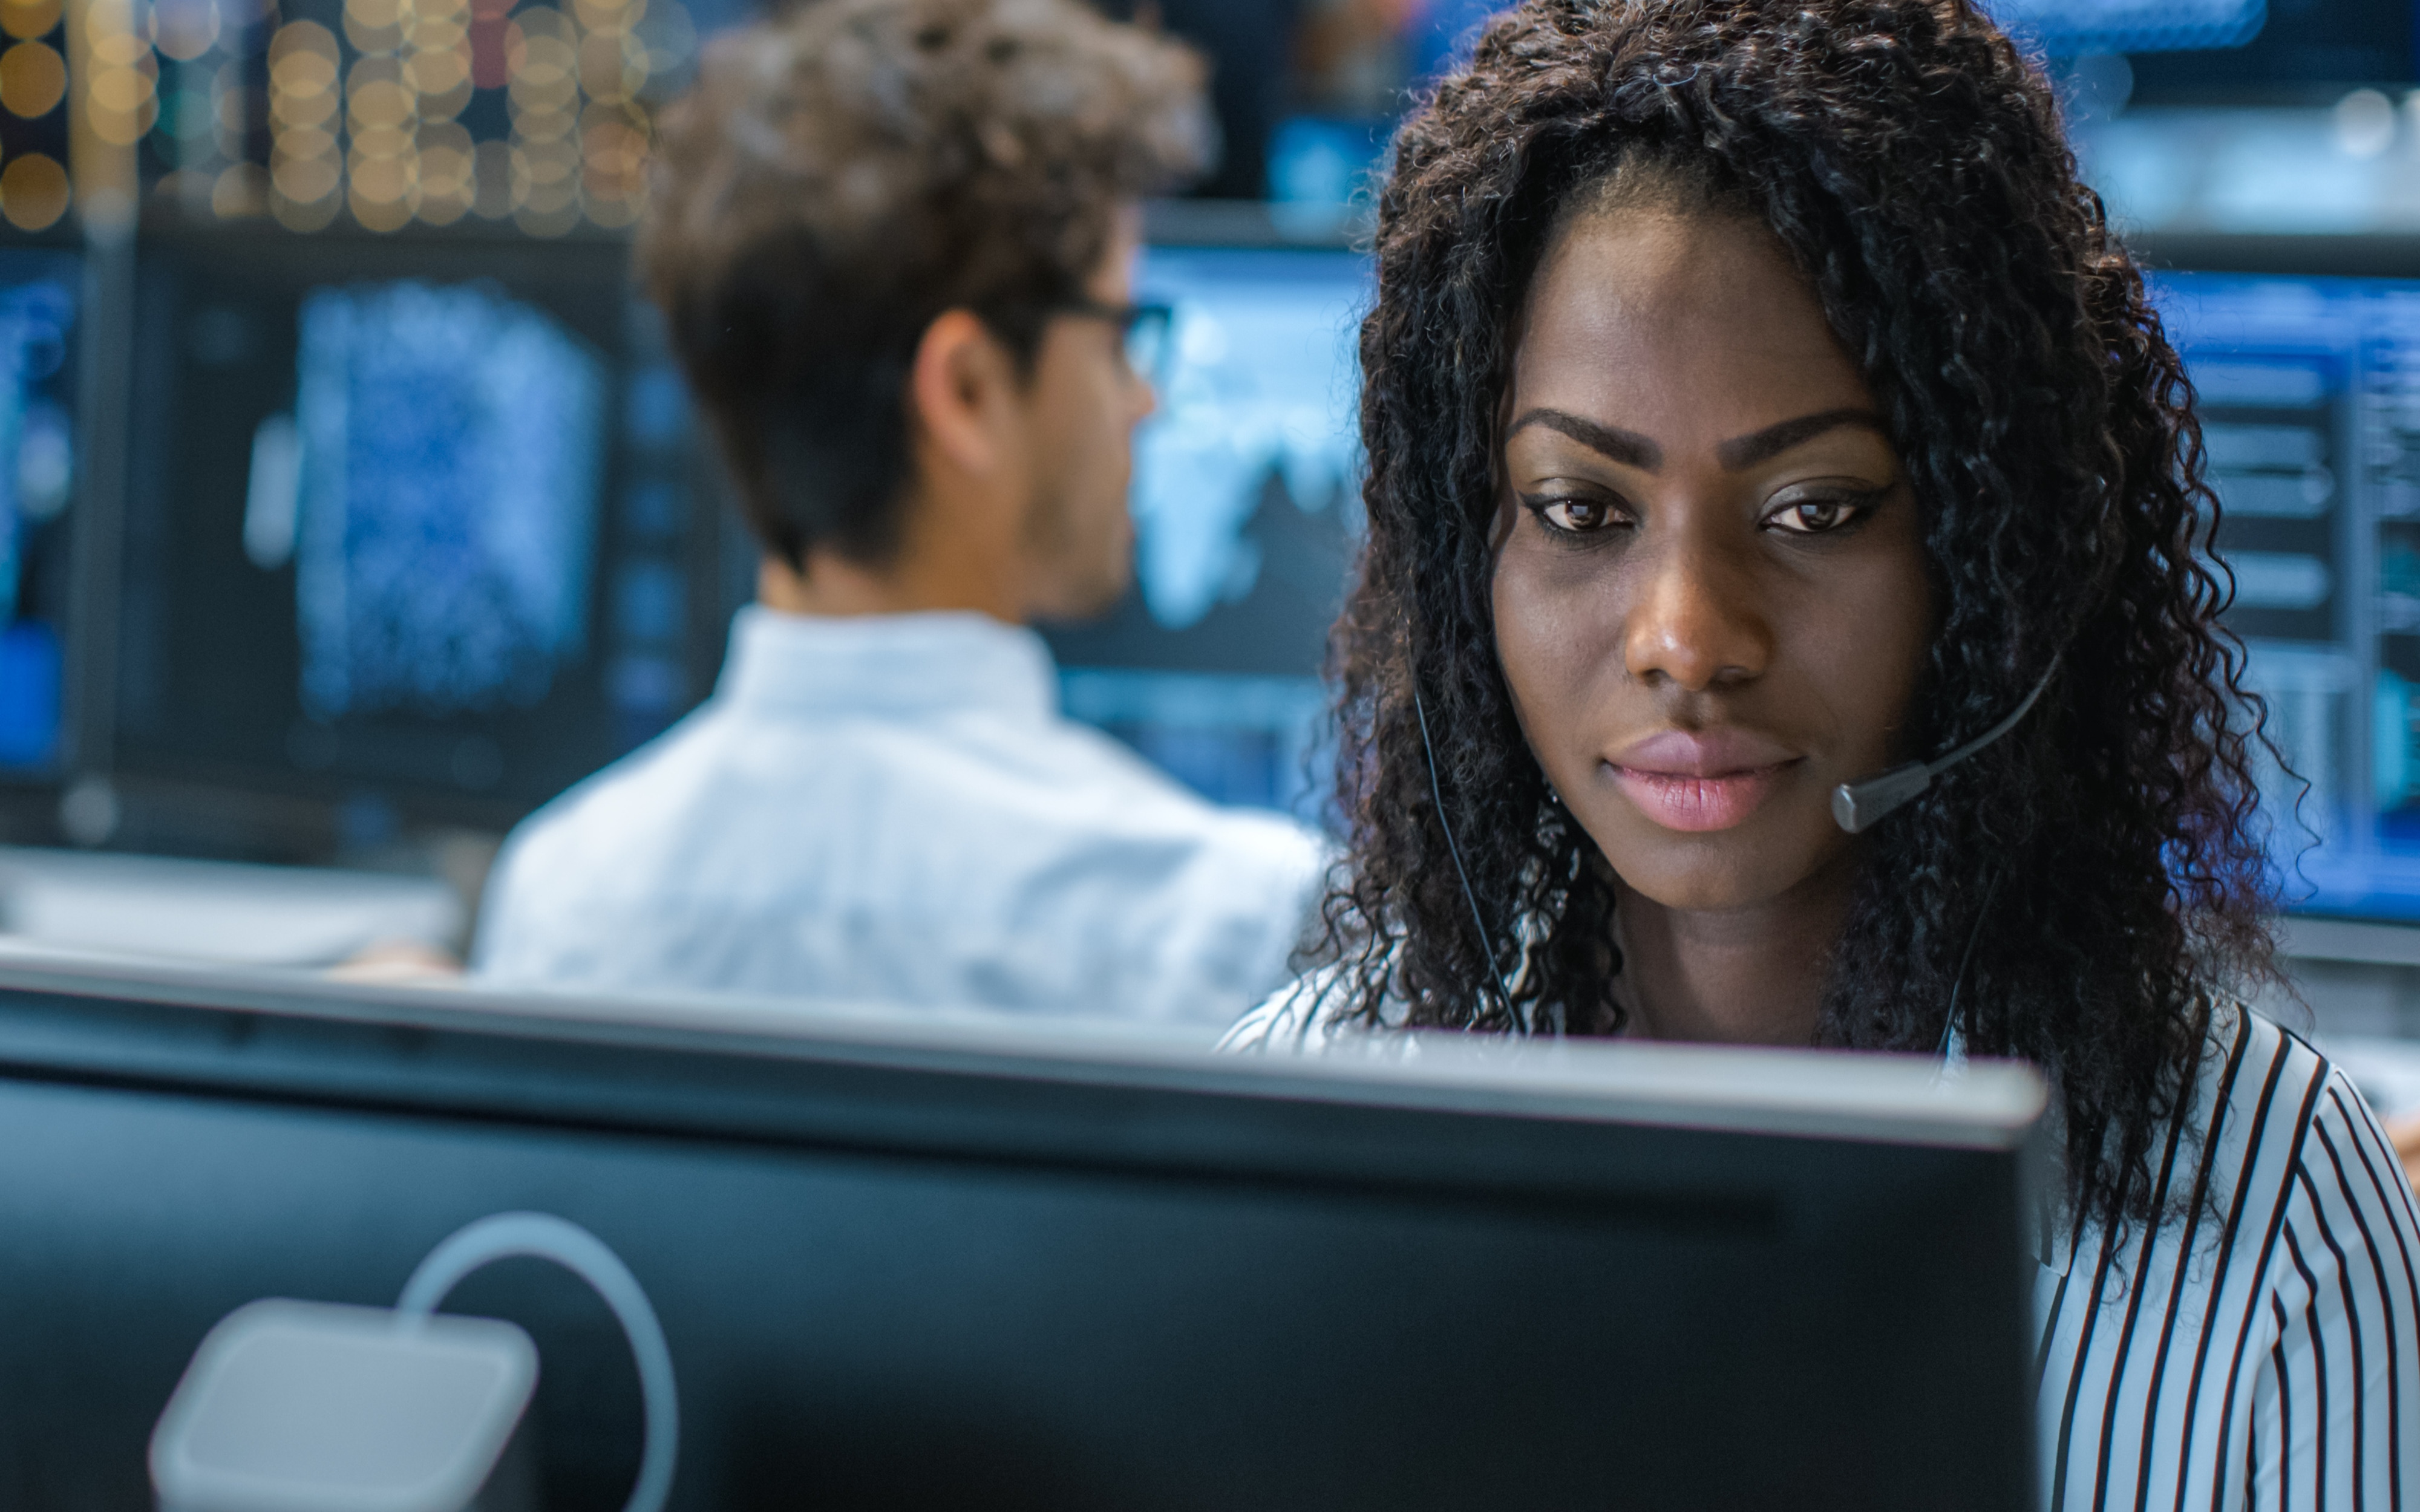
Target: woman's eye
[(1813, 517), (1579, 516)]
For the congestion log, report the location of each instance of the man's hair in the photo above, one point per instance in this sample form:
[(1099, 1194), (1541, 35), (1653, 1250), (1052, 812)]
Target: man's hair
[(839, 178)]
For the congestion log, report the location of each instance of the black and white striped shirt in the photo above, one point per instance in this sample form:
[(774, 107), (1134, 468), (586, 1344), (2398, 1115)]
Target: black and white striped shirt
[(2270, 1357), (2266, 1358)]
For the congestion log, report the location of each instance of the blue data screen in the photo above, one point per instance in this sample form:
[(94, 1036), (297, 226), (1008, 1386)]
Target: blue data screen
[(2310, 405), (37, 308), (2067, 27), (1245, 502), (450, 442)]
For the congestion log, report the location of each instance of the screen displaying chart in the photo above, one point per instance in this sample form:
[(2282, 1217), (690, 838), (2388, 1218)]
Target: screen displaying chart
[(2310, 405), (1245, 506)]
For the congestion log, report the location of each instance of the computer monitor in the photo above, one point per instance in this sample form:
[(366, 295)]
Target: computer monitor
[(927, 1261), (2310, 397), (1246, 500), (41, 290), (416, 520)]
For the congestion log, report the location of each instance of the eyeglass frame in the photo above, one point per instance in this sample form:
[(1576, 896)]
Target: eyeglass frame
[(1130, 318)]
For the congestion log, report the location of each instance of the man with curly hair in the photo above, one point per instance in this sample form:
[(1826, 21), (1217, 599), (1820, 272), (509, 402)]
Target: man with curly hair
[(894, 242)]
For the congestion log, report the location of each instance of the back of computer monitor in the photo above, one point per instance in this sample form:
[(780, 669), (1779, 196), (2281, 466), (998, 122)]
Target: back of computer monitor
[(914, 1270)]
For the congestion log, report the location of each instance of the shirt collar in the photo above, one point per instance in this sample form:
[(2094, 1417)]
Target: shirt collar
[(900, 665)]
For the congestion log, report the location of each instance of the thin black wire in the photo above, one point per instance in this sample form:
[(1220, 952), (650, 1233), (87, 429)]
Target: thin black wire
[(1967, 957), (1486, 950)]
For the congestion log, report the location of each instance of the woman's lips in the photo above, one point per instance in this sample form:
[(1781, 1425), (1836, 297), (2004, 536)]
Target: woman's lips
[(1700, 779)]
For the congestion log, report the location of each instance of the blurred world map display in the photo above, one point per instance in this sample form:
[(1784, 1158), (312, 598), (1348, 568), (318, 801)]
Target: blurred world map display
[(1247, 513)]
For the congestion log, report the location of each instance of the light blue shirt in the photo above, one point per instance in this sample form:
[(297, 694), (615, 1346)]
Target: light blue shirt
[(891, 808)]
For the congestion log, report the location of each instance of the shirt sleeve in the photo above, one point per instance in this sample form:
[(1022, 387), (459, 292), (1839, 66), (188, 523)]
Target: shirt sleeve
[(2335, 1398)]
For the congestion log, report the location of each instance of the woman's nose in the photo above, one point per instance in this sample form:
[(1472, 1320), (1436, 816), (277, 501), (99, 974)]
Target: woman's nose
[(1698, 621)]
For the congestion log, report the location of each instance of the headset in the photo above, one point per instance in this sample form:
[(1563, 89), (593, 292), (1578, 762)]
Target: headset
[(1856, 806)]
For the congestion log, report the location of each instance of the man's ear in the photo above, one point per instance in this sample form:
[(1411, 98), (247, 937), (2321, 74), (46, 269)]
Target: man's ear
[(959, 392)]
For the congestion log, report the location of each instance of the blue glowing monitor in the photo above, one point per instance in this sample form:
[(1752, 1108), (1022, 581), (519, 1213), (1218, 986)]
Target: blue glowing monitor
[(450, 456), (413, 526), (2067, 27), (2310, 405), (1246, 502), (39, 294)]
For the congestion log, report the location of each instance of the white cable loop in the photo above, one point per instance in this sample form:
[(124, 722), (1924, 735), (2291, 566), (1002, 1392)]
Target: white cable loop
[(546, 1237)]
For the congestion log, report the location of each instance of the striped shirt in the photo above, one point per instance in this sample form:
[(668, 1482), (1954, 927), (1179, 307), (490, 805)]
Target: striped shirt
[(2266, 1356)]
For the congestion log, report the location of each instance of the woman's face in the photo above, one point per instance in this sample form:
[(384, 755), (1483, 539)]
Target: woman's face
[(1710, 590)]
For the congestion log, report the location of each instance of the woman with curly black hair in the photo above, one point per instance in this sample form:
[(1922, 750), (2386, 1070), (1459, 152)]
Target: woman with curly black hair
[(1755, 401)]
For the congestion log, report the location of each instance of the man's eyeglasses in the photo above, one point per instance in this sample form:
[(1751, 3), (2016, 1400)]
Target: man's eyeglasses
[(1148, 330)]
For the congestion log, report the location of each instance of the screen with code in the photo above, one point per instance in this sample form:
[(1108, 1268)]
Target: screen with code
[(422, 522)]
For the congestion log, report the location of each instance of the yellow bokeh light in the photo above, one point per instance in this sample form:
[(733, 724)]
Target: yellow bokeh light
[(187, 31), (381, 142), (383, 180), (28, 19), (613, 66), (118, 31), (33, 192), (440, 35), (547, 126), (120, 91), (438, 73), (543, 164), (373, 41), (609, 15), (300, 39), (314, 109), (33, 76), (306, 141), (380, 215), (304, 179), (379, 103)]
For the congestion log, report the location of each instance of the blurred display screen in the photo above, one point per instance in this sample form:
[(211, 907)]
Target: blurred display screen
[(1246, 502), (2310, 405), (39, 293), (447, 501), (412, 519), (2067, 27)]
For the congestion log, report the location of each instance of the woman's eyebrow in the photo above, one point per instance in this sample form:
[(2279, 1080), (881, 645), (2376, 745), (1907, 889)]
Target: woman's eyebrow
[(1624, 446), (1763, 445)]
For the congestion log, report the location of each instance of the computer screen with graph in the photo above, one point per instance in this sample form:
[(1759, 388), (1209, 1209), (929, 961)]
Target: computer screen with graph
[(2310, 406), (39, 294), (1246, 501), (409, 518)]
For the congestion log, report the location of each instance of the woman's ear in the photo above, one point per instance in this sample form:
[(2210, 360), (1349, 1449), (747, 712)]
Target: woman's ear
[(960, 393)]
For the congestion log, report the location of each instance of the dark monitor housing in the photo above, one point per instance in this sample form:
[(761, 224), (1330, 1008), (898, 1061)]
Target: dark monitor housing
[(917, 1263), (41, 298), (421, 520), (1246, 504)]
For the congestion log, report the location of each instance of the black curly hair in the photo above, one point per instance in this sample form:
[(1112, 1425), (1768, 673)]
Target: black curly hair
[(2098, 872)]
